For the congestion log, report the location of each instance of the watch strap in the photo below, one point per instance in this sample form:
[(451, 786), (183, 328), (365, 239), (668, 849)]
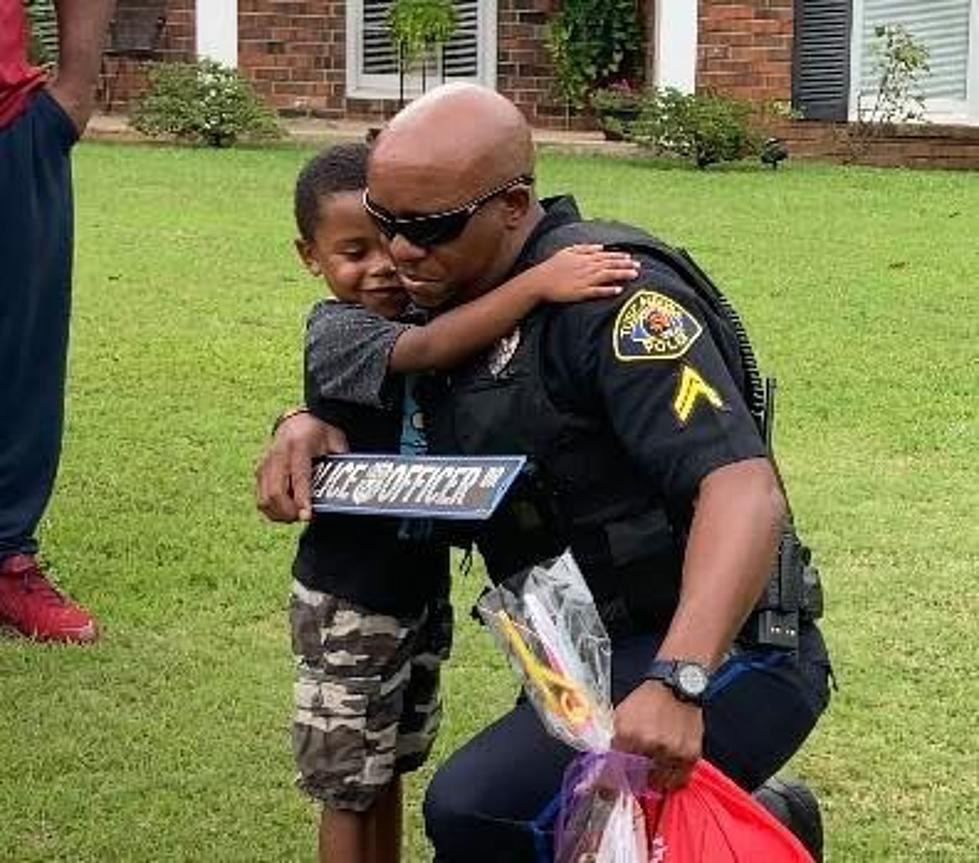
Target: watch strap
[(667, 672), (660, 669)]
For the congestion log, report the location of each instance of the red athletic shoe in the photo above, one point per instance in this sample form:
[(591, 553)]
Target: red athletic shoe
[(32, 606)]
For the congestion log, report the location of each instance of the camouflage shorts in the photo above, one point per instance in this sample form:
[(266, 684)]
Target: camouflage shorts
[(367, 694)]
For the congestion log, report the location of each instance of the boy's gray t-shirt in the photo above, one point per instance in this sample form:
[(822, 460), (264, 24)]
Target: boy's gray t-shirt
[(366, 560), (347, 353)]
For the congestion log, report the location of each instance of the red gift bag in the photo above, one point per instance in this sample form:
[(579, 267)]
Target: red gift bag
[(712, 820)]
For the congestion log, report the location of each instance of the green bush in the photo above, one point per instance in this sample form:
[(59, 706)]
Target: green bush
[(702, 127), (202, 102), (416, 26), (900, 61), (616, 108), (592, 42)]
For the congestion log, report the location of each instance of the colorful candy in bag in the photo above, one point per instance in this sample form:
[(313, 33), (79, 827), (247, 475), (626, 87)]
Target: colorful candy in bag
[(546, 622)]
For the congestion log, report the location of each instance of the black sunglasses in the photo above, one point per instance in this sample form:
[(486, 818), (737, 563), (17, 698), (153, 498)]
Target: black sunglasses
[(434, 228)]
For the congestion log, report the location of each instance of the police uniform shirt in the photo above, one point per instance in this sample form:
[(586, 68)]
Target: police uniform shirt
[(657, 364)]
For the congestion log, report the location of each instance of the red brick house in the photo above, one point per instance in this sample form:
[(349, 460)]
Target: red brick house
[(332, 58)]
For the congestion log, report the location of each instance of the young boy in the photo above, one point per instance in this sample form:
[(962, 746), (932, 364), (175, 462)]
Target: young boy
[(370, 617)]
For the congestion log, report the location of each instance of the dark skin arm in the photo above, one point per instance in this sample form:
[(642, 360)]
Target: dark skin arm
[(732, 544), (282, 477), (573, 274), (82, 26)]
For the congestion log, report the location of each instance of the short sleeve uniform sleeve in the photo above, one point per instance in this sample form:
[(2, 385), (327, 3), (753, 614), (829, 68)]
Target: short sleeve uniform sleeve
[(648, 362), (347, 353)]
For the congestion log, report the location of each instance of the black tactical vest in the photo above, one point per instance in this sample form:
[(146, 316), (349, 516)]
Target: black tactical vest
[(582, 490)]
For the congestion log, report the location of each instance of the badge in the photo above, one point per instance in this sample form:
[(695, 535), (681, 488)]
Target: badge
[(693, 387), (502, 352), (651, 326)]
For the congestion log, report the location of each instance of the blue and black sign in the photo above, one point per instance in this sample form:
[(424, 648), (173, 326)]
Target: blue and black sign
[(455, 487)]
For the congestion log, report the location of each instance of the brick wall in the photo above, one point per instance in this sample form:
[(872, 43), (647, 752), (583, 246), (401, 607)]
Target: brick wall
[(294, 52), (745, 49), (523, 68), (915, 146), (123, 78)]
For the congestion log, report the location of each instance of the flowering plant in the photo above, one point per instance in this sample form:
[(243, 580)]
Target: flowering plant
[(202, 102)]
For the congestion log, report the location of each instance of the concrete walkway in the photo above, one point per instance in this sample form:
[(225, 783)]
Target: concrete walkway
[(312, 131)]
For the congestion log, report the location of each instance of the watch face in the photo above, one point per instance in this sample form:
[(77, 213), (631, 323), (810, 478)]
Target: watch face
[(692, 680)]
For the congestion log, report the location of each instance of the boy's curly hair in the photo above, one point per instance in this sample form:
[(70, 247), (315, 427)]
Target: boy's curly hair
[(342, 168)]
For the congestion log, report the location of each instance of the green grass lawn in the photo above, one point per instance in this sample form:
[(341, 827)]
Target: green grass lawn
[(169, 740)]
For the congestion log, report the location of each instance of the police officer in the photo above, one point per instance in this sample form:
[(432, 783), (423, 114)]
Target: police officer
[(648, 464)]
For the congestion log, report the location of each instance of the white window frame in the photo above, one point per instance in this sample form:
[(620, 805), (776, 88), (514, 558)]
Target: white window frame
[(957, 112), (216, 29), (675, 36), (363, 86)]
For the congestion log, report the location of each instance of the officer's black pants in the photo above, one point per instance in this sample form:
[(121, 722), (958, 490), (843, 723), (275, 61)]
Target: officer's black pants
[(35, 279), (495, 799)]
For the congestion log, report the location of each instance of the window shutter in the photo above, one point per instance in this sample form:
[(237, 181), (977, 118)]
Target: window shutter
[(941, 25), (378, 55), (460, 55), (821, 65)]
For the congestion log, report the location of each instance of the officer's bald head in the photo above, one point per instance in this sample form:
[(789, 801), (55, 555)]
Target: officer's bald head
[(457, 145), (461, 138)]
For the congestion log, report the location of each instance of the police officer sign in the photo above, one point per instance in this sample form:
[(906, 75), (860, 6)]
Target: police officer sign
[(453, 487)]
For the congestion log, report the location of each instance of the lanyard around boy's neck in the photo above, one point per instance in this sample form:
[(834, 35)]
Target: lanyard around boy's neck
[(413, 442)]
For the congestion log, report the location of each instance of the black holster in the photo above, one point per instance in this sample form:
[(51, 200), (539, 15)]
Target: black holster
[(792, 597)]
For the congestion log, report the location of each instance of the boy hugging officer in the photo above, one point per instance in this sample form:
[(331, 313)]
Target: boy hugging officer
[(370, 616)]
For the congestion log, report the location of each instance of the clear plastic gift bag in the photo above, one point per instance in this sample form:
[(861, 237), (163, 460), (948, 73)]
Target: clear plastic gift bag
[(602, 819), (546, 622)]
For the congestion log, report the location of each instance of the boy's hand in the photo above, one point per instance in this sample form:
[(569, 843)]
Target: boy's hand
[(282, 478), (584, 272)]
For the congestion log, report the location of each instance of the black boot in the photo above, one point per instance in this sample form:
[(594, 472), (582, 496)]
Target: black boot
[(795, 806)]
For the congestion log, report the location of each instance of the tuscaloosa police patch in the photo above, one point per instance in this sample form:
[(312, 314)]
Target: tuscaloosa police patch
[(651, 326)]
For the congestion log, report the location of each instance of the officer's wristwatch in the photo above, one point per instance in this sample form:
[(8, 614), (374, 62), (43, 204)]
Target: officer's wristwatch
[(687, 680)]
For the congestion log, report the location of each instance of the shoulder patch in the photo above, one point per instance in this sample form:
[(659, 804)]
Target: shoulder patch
[(652, 326)]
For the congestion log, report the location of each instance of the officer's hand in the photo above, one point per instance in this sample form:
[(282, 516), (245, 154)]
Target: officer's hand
[(282, 478), (651, 721)]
